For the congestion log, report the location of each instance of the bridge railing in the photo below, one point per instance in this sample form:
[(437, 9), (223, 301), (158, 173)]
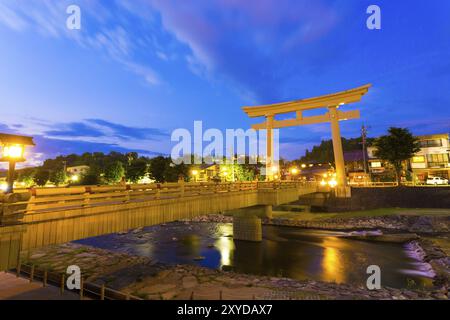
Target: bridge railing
[(37, 200)]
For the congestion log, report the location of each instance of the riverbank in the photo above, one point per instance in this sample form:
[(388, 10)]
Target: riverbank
[(392, 219), (141, 277)]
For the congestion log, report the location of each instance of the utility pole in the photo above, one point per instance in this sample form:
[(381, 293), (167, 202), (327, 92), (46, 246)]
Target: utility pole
[(364, 141)]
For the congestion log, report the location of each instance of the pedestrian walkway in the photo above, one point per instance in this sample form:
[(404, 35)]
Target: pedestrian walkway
[(13, 288)]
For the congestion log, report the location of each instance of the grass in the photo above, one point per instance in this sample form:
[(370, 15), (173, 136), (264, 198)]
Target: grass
[(442, 242)]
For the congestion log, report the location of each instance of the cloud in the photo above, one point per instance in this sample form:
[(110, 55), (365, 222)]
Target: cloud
[(126, 132), (104, 27), (92, 135), (75, 129), (249, 42)]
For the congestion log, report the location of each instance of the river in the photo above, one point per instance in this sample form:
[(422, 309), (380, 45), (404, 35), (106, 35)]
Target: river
[(284, 252)]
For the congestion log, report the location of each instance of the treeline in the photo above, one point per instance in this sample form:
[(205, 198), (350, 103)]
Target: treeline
[(323, 153), (109, 168), (117, 167)]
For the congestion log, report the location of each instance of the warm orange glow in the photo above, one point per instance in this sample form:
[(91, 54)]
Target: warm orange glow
[(13, 151), (331, 262), (294, 171)]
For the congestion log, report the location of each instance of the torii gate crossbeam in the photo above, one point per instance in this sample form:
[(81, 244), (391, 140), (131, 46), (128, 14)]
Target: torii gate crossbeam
[(332, 102)]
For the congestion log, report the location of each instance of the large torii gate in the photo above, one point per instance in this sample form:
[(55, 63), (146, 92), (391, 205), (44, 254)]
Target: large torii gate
[(332, 102)]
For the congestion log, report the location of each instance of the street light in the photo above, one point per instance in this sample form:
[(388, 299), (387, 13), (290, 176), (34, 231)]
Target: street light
[(13, 148), (195, 174)]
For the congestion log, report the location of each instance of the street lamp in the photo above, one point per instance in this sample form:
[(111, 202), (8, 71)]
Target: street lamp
[(194, 174), (13, 148)]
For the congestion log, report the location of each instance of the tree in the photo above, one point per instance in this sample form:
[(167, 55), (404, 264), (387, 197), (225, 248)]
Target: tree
[(114, 172), (158, 167), (41, 177), (92, 177), (58, 176), (396, 147), (26, 176), (137, 169), (323, 153)]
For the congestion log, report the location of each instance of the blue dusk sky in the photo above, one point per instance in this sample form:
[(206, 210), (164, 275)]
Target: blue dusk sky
[(138, 69)]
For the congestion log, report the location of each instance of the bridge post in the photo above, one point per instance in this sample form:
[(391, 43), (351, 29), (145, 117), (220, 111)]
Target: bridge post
[(268, 212), (247, 228), (11, 230)]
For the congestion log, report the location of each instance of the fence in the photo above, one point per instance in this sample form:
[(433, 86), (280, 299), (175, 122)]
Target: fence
[(89, 289)]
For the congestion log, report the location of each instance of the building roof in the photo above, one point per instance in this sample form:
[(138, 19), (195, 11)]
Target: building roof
[(15, 139), (434, 136), (355, 155)]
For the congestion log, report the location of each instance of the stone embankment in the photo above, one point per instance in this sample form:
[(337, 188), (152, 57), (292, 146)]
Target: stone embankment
[(397, 223)]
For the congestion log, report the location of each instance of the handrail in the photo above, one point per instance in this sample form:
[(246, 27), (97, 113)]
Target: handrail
[(51, 199)]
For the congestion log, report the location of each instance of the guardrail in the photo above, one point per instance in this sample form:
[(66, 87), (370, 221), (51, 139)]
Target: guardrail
[(92, 290), (49, 199), (392, 184)]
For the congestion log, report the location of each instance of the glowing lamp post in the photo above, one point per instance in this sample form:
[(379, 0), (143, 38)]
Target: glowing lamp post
[(195, 174), (13, 147)]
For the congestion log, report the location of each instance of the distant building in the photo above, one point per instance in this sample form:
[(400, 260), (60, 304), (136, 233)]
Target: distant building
[(433, 159), (316, 172), (207, 172), (354, 166)]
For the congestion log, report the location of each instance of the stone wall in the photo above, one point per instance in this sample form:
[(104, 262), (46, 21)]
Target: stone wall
[(374, 198)]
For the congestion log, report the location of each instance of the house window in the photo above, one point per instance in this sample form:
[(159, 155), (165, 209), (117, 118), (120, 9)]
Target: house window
[(431, 143), (418, 159), (437, 160), (376, 164)]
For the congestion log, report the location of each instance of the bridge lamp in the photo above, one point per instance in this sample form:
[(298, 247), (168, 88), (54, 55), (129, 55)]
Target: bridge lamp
[(294, 171), (332, 183), (323, 183), (75, 178), (274, 169), (13, 148), (303, 166)]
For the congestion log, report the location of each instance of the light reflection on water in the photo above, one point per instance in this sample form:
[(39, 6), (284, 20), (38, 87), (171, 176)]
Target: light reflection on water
[(286, 252)]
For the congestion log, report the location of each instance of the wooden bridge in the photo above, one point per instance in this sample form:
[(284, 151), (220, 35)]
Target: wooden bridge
[(45, 216)]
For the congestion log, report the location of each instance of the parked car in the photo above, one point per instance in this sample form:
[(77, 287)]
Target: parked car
[(436, 181)]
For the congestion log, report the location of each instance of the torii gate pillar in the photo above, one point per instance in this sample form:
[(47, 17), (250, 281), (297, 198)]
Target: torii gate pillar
[(269, 149), (341, 178)]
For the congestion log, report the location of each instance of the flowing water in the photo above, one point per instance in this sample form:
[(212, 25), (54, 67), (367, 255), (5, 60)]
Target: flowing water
[(284, 252)]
